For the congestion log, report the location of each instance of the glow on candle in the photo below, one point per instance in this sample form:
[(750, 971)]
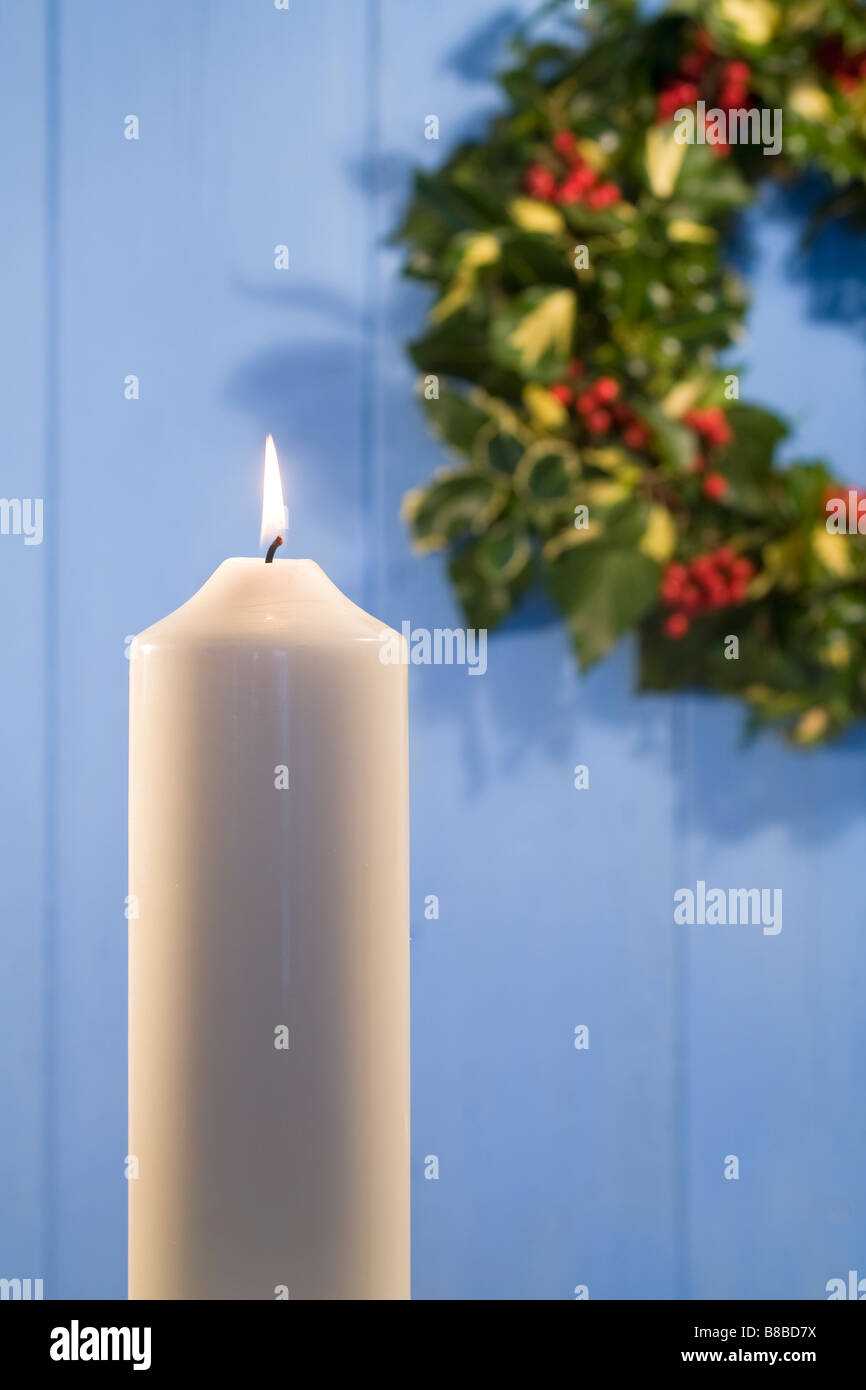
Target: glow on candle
[(273, 506)]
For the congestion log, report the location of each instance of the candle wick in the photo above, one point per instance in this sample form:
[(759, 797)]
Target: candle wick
[(272, 550)]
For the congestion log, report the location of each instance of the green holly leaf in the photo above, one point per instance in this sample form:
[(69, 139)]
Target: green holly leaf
[(532, 257), (675, 443), (457, 348), (747, 462), (708, 186), (756, 433), (603, 590), (533, 334)]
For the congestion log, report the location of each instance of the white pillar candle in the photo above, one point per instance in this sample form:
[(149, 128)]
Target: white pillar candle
[(268, 962)]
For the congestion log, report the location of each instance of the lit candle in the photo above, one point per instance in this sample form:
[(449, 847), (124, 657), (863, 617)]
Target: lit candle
[(268, 958)]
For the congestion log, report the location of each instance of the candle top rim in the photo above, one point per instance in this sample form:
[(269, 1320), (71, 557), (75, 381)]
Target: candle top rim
[(246, 600)]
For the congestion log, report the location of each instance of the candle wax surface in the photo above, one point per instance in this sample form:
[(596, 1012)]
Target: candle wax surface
[(269, 940)]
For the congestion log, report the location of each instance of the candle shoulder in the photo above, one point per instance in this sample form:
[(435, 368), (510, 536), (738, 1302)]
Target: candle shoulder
[(245, 601)]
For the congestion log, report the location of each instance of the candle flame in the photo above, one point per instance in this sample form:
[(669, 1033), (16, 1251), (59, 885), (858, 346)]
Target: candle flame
[(273, 506)]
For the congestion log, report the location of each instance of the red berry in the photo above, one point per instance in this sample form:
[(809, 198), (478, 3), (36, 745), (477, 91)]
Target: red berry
[(742, 570), (732, 97), (693, 64), (830, 53), (716, 427), (690, 597), (573, 188), (675, 576), (562, 393), (710, 424), (668, 102), (564, 142), (575, 185), (598, 421), (717, 591), (725, 556), (586, 402), (677, 625), (737, 72), (606, 389), (636, 436), (540, 183), (604, 195), (715, 485), (674, 95)]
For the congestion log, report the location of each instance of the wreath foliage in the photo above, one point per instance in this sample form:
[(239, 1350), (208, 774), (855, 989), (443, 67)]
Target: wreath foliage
[(571, 356)]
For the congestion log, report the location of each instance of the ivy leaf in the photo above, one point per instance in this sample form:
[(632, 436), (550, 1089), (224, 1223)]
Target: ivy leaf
[(499, 448), (491, 573), (603, 591), (533, 335), (456, 419), (548, 471), (454, 504)]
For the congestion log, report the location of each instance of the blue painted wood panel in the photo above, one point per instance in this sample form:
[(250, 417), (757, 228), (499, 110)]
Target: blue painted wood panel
[(29, 776), (155, 258)]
